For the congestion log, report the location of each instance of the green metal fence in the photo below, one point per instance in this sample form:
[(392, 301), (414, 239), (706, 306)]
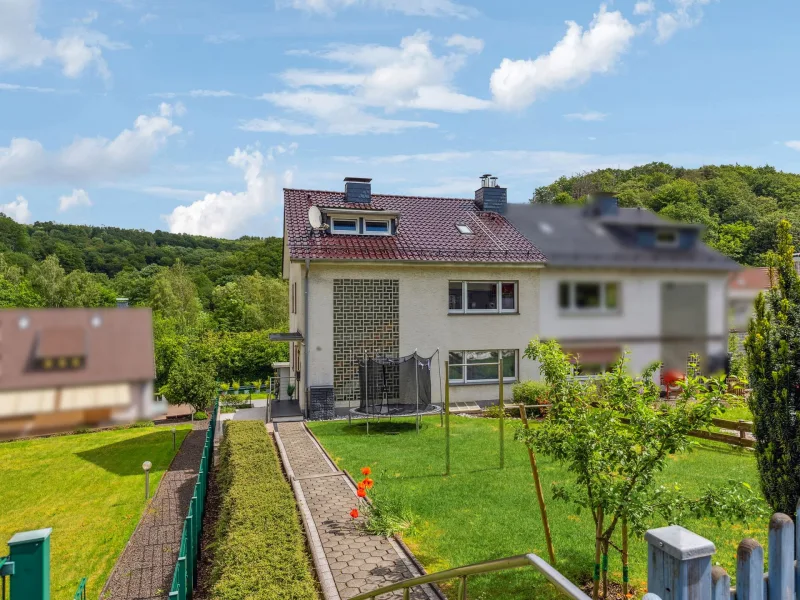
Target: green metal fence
[(185, 578), (80, 593)]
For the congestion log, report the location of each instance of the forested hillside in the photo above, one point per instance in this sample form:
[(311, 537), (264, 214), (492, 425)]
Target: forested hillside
[(214, 301), (740, 206)]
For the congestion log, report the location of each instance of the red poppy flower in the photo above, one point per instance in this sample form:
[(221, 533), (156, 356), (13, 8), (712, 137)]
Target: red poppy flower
[(361, 493), (354, 513), (368, 483), (366, 471)]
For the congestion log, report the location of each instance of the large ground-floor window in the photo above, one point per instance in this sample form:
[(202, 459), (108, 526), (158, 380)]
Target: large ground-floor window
[(480, 366)]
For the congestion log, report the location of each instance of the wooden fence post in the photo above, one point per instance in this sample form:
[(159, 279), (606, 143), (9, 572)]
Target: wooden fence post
[(781, 558), (720, 584), (678, 564), (750, 570)]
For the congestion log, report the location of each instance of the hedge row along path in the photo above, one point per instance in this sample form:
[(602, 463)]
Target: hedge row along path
[(144, 569), (348, 560)]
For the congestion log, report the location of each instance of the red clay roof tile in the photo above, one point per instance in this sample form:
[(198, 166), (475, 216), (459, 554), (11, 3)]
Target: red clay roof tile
[(426, 232)]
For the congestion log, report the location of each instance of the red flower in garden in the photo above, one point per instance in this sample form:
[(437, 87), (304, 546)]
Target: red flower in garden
[(361, 493), (368, 483), (366, 471), (354, 513)]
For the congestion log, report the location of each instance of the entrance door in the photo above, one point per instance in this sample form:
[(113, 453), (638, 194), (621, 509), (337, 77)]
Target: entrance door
[(684, 323)]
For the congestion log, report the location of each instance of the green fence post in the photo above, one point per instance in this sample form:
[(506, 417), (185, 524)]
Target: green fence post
[(189, 553), (30, 553)]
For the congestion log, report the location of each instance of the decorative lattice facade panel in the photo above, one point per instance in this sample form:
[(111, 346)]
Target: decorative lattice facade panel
[(366, 322)]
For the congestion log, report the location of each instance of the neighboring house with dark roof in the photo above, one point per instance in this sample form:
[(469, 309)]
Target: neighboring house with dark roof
[(63, 368), (383, 275), (621, 278)]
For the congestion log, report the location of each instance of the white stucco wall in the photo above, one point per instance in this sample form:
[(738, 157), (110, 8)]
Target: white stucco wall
[(425, 324), (638, 324)]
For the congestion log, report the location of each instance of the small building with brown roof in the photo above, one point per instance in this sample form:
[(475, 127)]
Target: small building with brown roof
[(69, 367)]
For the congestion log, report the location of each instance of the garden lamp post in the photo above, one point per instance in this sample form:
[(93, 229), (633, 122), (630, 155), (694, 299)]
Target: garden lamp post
[(147, 465), (174, 430)]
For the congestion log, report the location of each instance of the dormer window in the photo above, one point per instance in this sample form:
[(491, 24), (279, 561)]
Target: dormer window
[(666, 238), (360, 222), (377, 227), (344, 226)]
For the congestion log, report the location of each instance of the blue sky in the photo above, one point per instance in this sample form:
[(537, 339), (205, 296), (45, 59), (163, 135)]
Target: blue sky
[(191, 116)]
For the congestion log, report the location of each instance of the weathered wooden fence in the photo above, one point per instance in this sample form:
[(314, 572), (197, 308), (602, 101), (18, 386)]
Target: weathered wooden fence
[(679, 565)]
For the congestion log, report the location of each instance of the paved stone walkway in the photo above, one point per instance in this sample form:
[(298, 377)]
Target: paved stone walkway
[(145, 569), (355, 561)]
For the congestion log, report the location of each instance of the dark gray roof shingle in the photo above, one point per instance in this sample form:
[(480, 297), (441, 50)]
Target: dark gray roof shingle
[(569, 237)]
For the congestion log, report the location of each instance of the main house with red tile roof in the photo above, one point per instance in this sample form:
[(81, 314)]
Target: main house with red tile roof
[(382, 275)]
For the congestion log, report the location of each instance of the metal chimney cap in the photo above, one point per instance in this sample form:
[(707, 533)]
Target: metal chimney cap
[(358, 179)]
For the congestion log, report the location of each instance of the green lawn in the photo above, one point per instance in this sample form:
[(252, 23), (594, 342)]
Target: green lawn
[(481, 512), (89, 488)]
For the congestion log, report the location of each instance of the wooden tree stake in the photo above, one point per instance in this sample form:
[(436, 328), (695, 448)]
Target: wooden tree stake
[(539, 494)]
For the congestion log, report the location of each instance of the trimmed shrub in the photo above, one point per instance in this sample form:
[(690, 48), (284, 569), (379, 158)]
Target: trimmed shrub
[(530, 392), (200, 415), (260, 551)]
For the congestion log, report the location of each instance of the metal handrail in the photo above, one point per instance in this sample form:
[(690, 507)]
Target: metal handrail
[(500, 564)]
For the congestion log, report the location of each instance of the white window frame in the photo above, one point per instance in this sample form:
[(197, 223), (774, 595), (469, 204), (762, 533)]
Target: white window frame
[(386, 222), (484, 311), (673, 244), (337, 231), (602, 309), (464, 364)]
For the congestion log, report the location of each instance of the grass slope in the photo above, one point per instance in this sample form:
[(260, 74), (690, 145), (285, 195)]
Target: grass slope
[(89, 488), (481, 512)]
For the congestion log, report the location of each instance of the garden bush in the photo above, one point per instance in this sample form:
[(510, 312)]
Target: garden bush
[(530, 392), (260, 551), (200, 415)]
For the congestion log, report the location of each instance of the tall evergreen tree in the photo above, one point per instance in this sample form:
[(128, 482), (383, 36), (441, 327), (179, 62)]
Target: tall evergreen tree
[(773, 351)]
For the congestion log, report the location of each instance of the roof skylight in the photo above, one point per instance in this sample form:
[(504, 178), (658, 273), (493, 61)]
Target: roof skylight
[(464, 229)]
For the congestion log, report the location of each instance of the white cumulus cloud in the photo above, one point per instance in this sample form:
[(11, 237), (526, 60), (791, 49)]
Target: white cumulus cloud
[(591, 115), (466, 43), (17, 210), (21, 45), (375, 81), (76, 198), (644, 7), (573, 60), (685, 14), (222, 214), (426, 8), (793, 144), (88, 158)]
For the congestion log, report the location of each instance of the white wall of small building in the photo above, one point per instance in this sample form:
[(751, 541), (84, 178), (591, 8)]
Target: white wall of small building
[(637, 325), (424, 321)]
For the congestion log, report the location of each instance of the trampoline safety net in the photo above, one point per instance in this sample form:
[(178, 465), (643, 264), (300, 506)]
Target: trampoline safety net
[(395, 386)]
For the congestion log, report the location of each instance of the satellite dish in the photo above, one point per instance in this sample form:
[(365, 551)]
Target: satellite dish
[(315, 217)]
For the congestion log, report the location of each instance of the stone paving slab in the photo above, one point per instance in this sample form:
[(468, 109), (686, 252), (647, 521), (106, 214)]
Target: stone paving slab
[(145, 568), (358, 562)]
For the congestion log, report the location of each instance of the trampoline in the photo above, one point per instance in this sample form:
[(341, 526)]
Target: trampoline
[(395, 387)]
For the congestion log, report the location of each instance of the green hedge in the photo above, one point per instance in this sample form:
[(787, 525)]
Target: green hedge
[(260, 551)]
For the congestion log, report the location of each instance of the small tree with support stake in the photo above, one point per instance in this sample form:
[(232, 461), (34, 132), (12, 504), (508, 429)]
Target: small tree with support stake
[(614, 434)]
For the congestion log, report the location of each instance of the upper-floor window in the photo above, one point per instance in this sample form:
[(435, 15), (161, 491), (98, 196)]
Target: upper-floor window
[(361, 226), (344, 226), (666, 238), (482, 297), (586, 296)]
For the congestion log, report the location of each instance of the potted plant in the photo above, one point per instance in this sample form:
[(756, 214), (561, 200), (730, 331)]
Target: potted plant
[(290, 390)]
